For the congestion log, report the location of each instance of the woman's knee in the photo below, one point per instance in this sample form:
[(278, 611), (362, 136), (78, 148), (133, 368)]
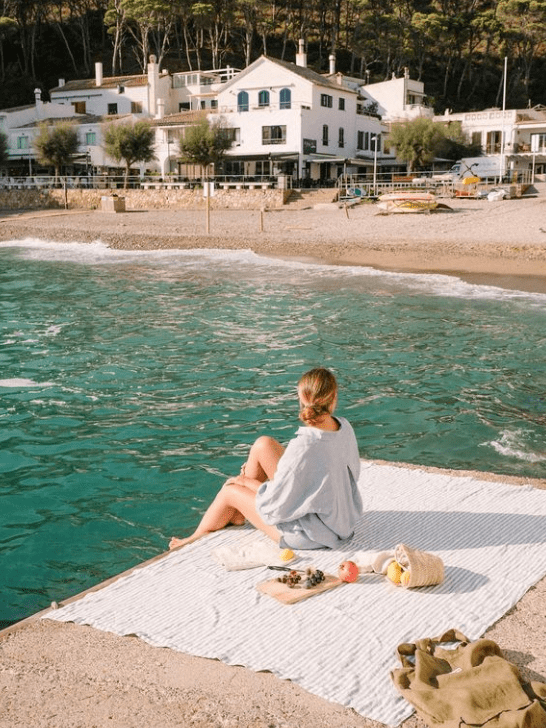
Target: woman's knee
[(266, 446)]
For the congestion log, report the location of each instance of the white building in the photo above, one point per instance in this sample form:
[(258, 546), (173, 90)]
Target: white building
[(518, 135), (284, 117), (288, 119)]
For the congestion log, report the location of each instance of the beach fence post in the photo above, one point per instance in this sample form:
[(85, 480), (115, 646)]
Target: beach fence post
[(262, 212), (208, 192)]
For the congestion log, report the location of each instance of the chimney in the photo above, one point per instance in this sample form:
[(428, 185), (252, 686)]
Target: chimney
[(406, 72), (160, 109), (98, 74), (61, 82), (301, 55), (38, 102), (153, 85), (332, 60)]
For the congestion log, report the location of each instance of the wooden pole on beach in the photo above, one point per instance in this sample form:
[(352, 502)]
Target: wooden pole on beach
[(207, 228), (262, 211)]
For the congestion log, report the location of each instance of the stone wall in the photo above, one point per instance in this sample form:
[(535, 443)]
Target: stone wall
[(82, 199)]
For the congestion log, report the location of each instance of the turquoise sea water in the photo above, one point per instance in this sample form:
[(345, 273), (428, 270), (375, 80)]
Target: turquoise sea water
[(132, 384)]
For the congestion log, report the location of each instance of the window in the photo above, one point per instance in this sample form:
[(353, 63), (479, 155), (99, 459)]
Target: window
[(79, 107), (375, 139), (494, 139), (341, 104), (285, 98), (203, 104), (325, 135), (22, 142), (90, 138), (214, 103), (136, 107), (326, 100), (112, 109), (263, 98), (538, 142), (242, 101), (232, 134), (263, 168), (341, 137), (273, 134), (360, 140), (184, 106), (476, 138)]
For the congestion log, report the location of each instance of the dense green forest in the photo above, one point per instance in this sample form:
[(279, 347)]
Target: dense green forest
[(457, 47)]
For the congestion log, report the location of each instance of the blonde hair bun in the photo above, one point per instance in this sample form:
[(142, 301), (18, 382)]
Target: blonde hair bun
[(317, 390)]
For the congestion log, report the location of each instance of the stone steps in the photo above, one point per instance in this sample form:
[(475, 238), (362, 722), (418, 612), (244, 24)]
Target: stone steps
[(305, 199)]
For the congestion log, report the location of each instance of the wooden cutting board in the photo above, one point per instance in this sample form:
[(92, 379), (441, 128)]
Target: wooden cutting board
[(284, 594)]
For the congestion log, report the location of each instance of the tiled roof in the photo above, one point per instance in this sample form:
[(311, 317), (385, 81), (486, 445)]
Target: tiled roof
[(183, 117), (107, 82), (16, 108), (51, 121), (309, 74)]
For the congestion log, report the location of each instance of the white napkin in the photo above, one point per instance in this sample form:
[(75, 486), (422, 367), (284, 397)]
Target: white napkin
[(249, 555)]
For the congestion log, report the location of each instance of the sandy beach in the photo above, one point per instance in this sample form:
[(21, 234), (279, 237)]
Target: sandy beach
[(503, 242), (63, 675)]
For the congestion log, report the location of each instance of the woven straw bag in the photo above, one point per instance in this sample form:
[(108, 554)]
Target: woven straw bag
[(424, 569)]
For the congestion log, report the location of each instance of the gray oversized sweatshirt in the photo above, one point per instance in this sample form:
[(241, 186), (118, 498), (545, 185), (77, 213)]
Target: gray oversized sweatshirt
[(314, 493)]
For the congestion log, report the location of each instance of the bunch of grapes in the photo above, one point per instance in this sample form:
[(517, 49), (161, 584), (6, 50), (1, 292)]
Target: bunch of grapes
[(314, 577), (291, 579)]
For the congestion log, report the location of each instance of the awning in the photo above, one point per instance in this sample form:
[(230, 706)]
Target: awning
[(322, 158), (264, 157)]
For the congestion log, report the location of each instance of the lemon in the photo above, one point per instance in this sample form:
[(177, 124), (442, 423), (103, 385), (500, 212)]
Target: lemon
[(405, 578), (287, 555), (394, 572)]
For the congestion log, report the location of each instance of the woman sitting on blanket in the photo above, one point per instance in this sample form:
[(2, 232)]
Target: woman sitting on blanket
[(304, 496)]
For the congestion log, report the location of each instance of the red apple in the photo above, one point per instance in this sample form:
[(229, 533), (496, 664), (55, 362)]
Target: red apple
[(348, 571)]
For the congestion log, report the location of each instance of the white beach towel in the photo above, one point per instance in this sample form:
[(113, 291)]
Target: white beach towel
[(341, 645)]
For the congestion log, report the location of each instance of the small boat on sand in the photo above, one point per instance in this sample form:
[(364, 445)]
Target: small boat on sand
[(407, 202)]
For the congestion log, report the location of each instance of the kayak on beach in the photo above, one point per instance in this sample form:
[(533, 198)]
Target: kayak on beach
[(407, 202)]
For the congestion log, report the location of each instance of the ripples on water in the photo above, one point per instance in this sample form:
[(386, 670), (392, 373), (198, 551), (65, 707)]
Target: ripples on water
[(132, 384)]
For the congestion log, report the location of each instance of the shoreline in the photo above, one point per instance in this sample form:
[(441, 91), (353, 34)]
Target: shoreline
[(501, 244)]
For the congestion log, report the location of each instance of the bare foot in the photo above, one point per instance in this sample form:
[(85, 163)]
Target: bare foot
[(174, 543)]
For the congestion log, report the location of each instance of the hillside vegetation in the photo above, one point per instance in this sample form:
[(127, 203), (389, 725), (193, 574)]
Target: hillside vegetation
[(457, 47)]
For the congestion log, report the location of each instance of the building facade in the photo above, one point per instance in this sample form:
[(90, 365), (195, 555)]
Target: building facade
[(283, 118)]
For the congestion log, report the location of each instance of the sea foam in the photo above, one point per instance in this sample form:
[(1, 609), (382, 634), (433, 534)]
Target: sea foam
[(226, 261)]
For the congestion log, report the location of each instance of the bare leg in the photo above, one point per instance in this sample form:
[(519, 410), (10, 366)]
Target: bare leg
[(230, 500), (261, 465), (263, 458)]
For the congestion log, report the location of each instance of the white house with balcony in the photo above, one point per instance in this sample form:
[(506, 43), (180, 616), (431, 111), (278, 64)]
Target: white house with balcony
[(287, 119), (517, 135), (398, 99)]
